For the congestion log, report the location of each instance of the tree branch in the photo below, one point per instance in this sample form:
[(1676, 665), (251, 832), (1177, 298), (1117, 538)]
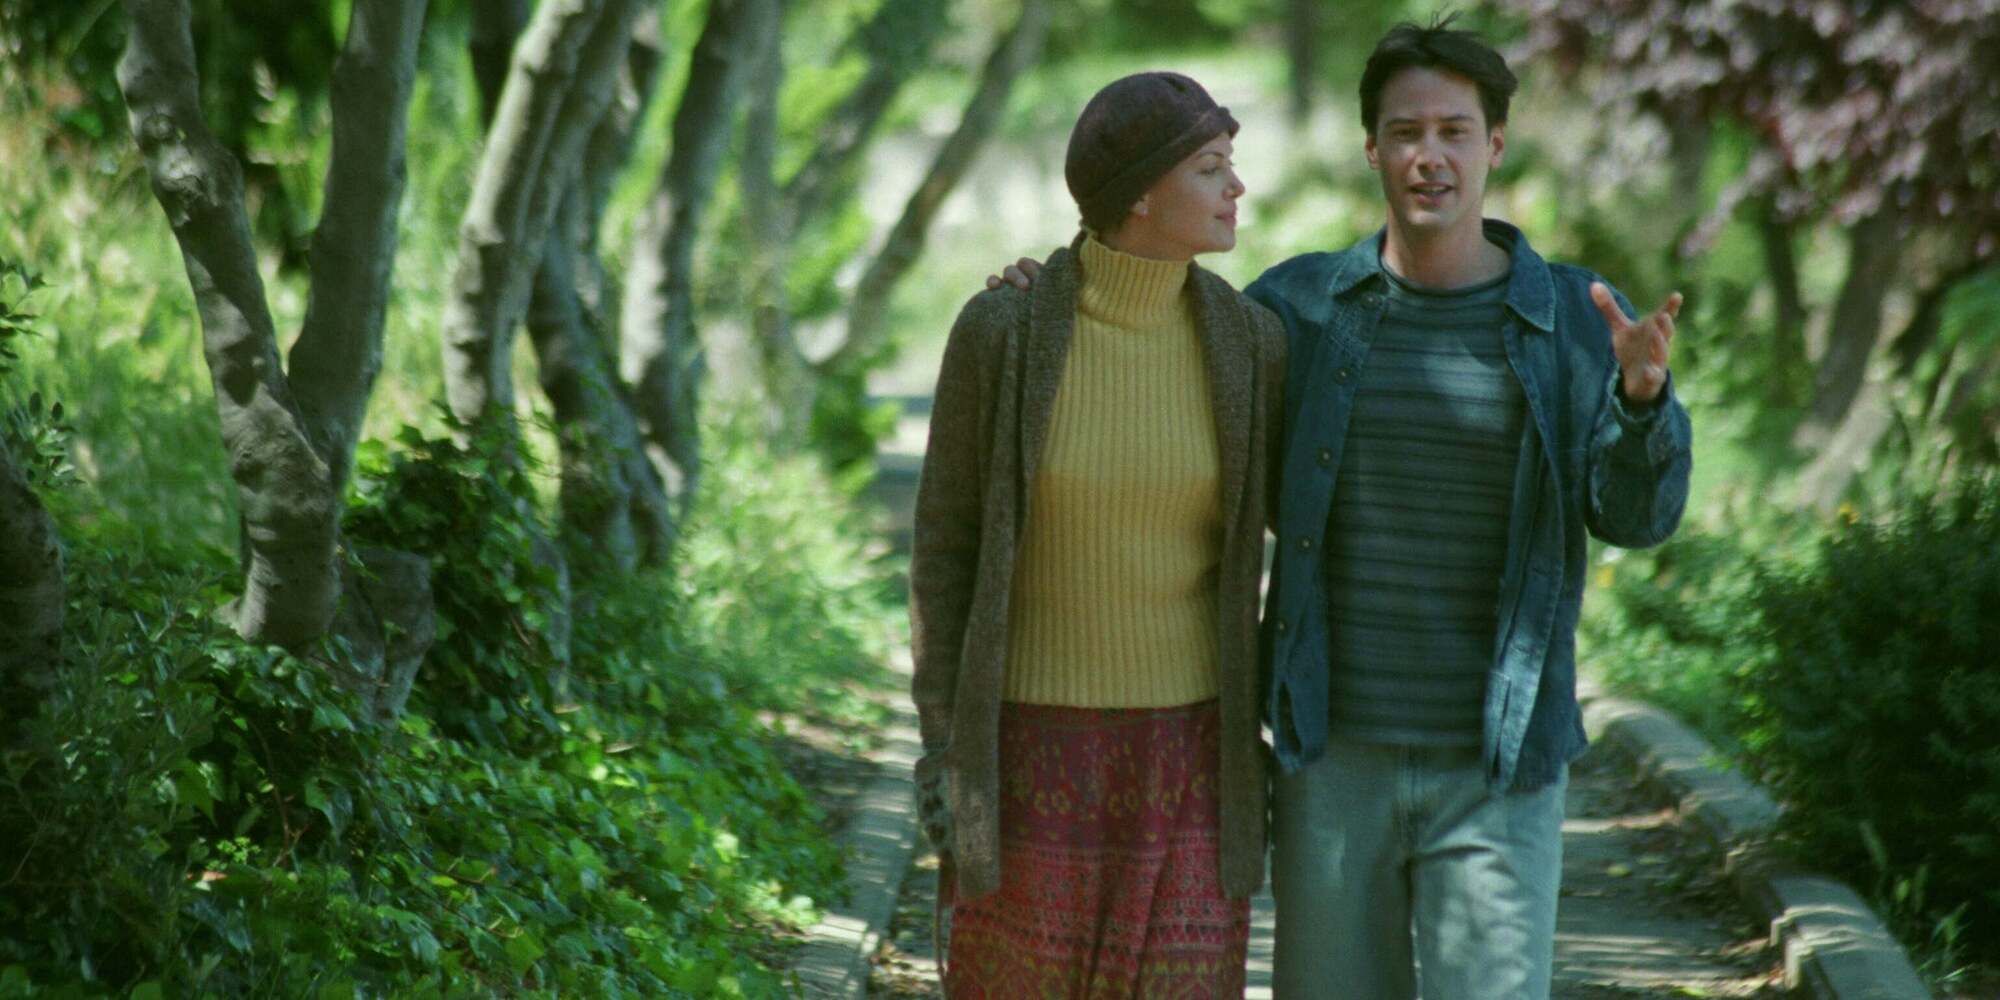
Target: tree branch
[(339, 351), (896, 39), (1012, 54)]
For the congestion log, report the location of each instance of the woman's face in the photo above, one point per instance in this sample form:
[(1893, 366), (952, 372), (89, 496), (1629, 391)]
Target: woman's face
[(1191, 210)]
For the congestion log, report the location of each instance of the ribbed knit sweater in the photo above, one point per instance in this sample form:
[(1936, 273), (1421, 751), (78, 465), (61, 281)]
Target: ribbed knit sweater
[(1114, 598)]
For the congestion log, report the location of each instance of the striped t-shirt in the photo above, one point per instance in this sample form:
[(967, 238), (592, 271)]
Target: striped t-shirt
[(1417, 534)]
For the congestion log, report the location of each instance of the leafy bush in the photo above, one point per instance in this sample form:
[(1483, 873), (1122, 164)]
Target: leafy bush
[(1669, 624), (1873, 707), (494, 672), (193, 815)]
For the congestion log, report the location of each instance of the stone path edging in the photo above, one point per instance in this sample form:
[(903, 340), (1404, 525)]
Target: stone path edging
[(878, 842), (1834, 944)]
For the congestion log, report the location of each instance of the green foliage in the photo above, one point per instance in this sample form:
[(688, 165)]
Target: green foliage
[(1667, 624), (494, 673), (1874, 705), (32, 431), (1849, 667), (192, 815)]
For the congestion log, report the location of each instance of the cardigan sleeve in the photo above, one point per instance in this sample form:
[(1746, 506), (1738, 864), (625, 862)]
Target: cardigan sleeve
[(944, 556)]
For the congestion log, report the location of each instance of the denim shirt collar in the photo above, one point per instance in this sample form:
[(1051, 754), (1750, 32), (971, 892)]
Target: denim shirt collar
[(1530, 287)]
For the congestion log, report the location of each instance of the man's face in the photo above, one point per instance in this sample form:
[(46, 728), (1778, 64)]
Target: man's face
[(1433, 149)]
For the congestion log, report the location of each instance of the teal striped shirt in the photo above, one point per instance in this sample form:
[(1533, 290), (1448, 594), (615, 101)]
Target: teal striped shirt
[(1417, 533)]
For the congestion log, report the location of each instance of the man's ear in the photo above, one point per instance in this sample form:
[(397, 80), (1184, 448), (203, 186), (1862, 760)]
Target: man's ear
[(1142, 206), (1498, 140), (1374, 157)]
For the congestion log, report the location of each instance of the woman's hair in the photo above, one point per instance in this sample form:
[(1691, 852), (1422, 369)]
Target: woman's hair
[(1439, 46)]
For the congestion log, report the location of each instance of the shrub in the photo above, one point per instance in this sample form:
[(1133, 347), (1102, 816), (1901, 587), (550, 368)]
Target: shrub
[(1670, 624), (192, 815), (1873, 707)]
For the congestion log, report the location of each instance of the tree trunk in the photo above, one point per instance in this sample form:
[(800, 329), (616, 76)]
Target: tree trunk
[(1920, 334), (1012, 54), (1788, 338), (496, 26), (338, 353), (786, 376), (31, 593), (1825, 481), (1857, 321), (662, 354), (559, 81), (1302, 50), (613, 508), (289, 510), (289, 455)]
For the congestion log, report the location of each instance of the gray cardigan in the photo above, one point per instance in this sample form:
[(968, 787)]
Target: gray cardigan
[(989, 420)]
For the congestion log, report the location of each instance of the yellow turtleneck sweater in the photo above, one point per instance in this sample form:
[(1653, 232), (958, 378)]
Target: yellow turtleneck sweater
[(1114, 600)]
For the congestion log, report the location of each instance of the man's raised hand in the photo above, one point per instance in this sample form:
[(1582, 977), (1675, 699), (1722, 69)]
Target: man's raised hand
[(1020, 274), (1641, 346)]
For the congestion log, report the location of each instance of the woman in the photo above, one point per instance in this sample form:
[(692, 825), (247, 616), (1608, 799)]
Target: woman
[(1089, 537)]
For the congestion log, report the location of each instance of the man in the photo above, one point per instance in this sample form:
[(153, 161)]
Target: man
[(1458, 413)]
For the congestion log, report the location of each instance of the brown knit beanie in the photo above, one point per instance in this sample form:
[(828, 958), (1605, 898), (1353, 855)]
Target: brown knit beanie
[(1129, 135)]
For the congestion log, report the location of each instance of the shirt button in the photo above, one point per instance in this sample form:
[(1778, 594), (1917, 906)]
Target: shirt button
[(1306, 544), (1281, 624), (1326, 456), (1343, 375), (1371, 299)]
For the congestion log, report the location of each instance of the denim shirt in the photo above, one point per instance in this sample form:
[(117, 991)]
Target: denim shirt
[(1587, 462)]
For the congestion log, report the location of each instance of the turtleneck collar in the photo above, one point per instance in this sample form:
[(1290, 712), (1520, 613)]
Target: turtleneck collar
[(1122, 290)]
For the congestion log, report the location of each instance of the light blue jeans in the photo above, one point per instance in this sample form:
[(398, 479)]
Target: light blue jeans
[(1397, 874)]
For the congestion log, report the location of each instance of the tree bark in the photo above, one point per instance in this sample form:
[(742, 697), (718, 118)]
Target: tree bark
[(613, 508), (1857, 321), (787, 378), (31, 593), (1788, 344), (338, 354), (289, 510), (1302, 50), (558, 83), (1011, 54), (290, 457), (662, 353)]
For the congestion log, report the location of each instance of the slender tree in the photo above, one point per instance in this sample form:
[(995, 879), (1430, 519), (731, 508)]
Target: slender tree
[(561, 77), (662, 355), (1012, 53), (614, 509), (777, 213)]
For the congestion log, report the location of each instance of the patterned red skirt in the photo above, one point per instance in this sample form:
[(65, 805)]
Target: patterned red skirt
[(1109, 877)]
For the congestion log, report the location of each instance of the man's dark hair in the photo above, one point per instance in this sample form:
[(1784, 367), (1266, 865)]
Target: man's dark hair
[(1442, 47)]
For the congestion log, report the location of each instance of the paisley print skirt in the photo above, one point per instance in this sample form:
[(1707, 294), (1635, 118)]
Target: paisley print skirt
[(1109, 878)]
